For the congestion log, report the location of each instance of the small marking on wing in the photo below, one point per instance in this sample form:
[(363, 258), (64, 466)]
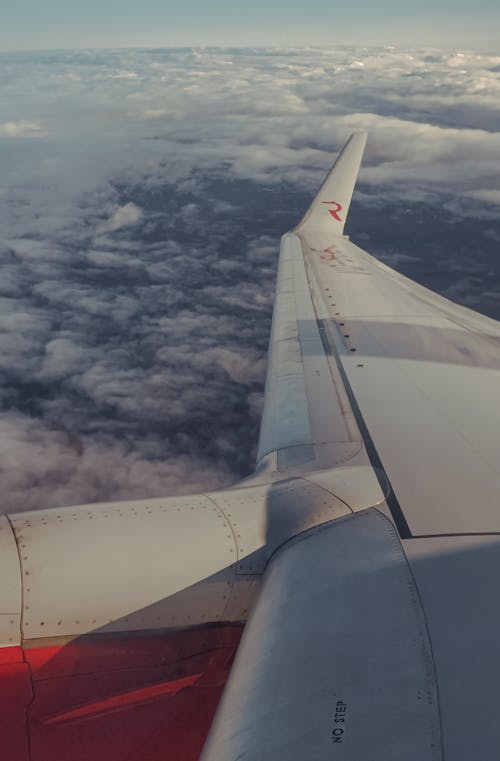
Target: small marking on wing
[(334, 212), (125, 699)]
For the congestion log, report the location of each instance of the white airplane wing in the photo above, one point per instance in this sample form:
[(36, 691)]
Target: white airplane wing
[(375, 635)]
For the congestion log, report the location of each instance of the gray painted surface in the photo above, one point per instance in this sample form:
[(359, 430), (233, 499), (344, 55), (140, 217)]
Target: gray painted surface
[(335, 662), (458, 580)]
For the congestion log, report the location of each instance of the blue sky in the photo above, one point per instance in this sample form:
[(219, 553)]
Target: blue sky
[(36, 24)]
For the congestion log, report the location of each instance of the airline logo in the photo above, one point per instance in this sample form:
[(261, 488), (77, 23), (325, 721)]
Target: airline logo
[(335, 211)]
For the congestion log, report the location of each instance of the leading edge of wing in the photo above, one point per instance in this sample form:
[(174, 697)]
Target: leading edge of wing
[(307, 417), (308, 422)]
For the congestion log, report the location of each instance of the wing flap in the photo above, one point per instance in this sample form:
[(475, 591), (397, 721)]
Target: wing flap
[(335, 661), (425, 374)]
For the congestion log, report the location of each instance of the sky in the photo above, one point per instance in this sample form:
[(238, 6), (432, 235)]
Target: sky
[(143, 194), (57, 24)]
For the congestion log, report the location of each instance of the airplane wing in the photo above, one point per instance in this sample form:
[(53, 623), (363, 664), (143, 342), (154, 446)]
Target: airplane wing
[(364, 552), (375, 635)]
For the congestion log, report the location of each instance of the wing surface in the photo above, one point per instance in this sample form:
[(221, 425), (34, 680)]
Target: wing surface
[(423, 376), (362, 358), (372, 630)]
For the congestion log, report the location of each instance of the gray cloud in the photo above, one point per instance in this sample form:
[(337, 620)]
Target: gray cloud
[(140, 232)]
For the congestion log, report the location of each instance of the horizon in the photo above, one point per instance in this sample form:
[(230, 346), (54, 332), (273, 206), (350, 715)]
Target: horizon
[(115, 24)]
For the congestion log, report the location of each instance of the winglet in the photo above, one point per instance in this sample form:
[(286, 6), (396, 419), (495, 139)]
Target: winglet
[(329, 209)]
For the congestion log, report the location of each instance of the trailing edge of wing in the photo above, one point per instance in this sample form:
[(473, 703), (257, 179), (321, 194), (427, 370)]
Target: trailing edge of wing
[(329, 209)]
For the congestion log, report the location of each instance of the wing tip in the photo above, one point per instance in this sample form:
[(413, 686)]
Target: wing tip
[(329, 209)]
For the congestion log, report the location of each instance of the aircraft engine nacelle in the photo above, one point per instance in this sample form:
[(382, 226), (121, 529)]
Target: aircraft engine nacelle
[(158, 564)]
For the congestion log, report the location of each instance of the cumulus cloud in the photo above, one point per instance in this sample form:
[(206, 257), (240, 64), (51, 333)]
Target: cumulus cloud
[(140, 236), (124, 216), (20, 129)]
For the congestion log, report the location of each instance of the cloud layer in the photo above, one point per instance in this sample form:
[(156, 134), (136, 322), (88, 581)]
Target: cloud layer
[(140, 232)]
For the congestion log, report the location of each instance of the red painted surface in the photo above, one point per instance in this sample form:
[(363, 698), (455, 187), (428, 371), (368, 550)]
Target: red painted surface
[(334, 212), (108, 698), (329, 254), (13, 654), (124, 699), (15, 697)]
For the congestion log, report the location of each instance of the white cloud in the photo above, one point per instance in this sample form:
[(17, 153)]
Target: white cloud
[(139, 239), (21, 129), (123, 216), (489, 195)]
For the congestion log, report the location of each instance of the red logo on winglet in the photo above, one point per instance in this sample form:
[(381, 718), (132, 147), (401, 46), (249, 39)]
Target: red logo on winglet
[(334, 212)]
